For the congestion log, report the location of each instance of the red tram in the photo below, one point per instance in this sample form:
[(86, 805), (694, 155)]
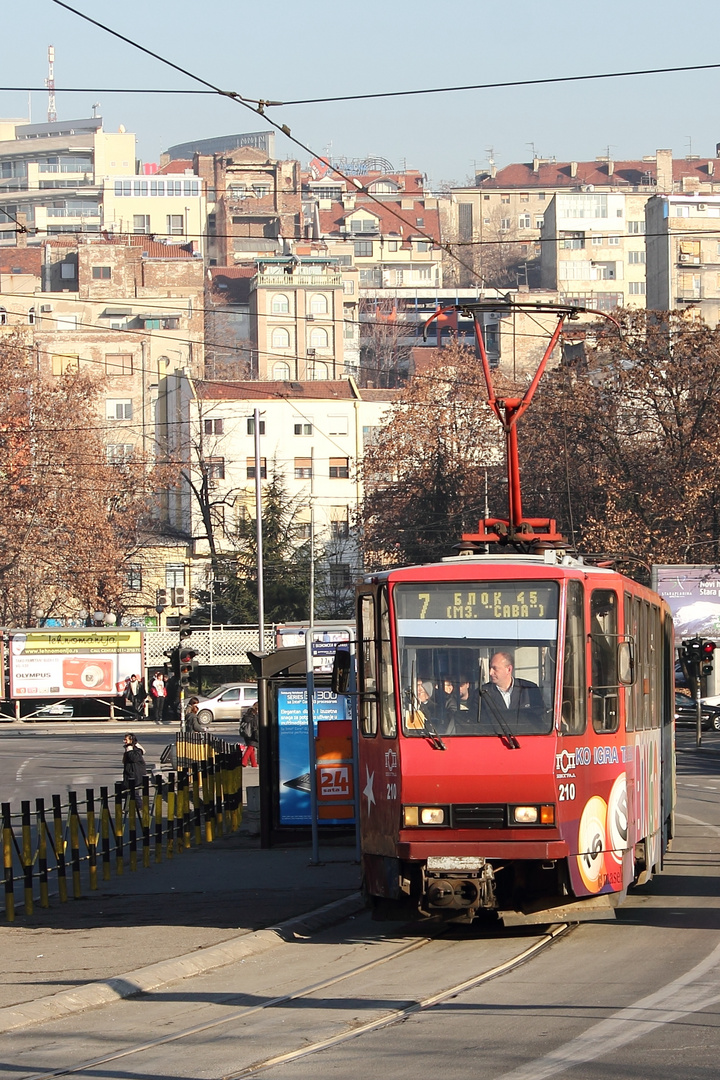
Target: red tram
[(515, 724)]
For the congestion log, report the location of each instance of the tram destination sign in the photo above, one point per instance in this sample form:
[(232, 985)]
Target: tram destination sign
[(458, 601)]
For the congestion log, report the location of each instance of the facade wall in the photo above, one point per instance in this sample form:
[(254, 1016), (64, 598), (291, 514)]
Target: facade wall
[(684, 254)]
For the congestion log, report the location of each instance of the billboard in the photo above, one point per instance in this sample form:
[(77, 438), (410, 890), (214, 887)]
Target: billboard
[(693, 594), (294, 754), (72, 663)]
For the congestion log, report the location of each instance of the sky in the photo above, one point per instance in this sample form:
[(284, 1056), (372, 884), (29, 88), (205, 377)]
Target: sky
[(289, 50)]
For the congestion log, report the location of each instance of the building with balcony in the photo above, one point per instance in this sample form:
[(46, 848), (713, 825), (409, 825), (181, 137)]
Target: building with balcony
[(683, 254), (593, 248)]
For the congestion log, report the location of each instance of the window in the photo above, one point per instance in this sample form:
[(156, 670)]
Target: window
[(524, 196), (340, 576), (280, 304), (280, 338), (63, 362), (636, 288), (572, 241), (367, 668), (118, 409), (597, 240), (174, 575), (101, 273), (360, 225), (318, 337), (635, 257), (175, 225), (603, 652), (261, 191), (339, 530), (339, 468), (302, 429), (66, 322), (505, 224), (636, 227), (31, 316), (392, 245), (337, 425), (303, 530), (539, 221), (318, 304), (541, 196), (573, 709), (317, 370), (363, 249), (3, 317), (133, 577), (68, 271), (303, 468), (422, 245), (281, 372), (118, 364), (213, 427), (237, 191), (250, 468), (613, 241), (504, 198), (524, 221), (349, 288), (250, 422), (119, 453), (349, 328), (215, 468), (141, 223)]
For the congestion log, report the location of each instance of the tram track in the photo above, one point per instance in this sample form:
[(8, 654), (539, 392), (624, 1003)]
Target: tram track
[(386, 1018)]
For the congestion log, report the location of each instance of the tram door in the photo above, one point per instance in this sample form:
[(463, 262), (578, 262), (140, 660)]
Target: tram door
[(379, 757)]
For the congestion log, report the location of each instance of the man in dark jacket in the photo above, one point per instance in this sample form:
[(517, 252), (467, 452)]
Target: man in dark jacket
[(134, 768), (507, 700)]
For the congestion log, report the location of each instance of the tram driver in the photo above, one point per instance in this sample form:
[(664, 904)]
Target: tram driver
[(506, 699)]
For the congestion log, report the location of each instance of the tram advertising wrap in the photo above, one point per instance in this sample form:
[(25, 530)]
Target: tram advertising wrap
[(293, 751), (72, 663)]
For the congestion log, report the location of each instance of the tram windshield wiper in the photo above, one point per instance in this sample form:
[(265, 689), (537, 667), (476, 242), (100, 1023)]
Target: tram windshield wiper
[(505, 734)]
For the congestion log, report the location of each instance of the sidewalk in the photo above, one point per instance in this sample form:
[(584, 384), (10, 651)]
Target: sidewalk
[(174, 910)]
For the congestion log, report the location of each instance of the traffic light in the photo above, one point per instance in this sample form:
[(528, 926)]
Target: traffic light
[(185, 665), (708, 648), (694, 650), (184, 627), (173, 656)]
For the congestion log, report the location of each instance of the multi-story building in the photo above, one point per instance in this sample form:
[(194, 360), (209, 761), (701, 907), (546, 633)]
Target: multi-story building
[(73, 177), (503, 214), (593, 248), (683, 254), (311, 434)]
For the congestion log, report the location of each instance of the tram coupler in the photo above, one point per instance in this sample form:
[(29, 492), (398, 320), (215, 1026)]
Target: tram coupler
[(458, 885)]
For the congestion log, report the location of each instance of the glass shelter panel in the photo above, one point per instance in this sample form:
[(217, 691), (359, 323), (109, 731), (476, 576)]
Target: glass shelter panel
[(477, 659)]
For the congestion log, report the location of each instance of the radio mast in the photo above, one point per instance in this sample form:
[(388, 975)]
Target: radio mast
[(50, 83)]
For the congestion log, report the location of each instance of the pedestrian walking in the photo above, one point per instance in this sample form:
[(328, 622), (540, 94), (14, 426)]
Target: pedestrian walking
[(134, 768), (250, 732)]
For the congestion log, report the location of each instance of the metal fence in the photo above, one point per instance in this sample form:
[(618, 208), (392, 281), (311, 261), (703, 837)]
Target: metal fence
[(60, 848), (213, 645)]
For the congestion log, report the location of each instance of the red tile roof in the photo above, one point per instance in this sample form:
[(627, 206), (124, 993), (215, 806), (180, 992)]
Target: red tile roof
[(559, 174), (394, 221), (29, 260)]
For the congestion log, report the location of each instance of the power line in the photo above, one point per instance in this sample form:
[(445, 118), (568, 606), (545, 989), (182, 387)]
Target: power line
[(261, 103)]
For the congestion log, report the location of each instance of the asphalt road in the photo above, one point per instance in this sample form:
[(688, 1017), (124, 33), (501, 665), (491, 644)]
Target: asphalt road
[(43, 760)]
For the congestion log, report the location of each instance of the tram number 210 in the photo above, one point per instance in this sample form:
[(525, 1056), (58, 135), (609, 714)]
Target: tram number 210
[(566, 792)]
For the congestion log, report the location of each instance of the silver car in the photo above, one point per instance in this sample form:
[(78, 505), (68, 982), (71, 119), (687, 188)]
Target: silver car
[(229, 702)]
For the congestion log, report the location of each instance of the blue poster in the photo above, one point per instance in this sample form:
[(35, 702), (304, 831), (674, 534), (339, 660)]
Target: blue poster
[(293, 751)]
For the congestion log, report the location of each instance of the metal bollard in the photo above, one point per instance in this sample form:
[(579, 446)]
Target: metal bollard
[(42, 852), (59, 845), (7, 863)]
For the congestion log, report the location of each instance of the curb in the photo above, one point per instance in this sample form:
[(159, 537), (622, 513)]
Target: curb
[(143, 980)]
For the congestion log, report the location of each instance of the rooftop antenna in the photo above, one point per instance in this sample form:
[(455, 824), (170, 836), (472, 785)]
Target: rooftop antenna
[(688, 140), (491, 156), (50, 83), (95, 108), (532, 147)]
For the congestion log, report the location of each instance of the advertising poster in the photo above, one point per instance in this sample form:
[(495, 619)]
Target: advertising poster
[(72, 663), (293, 753), (693, 594)]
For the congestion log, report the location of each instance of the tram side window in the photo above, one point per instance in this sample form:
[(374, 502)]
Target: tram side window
[(368, 672), (603, 653), (573, 715), (654, 648), (388, 719), (645, 651), (630, 691)]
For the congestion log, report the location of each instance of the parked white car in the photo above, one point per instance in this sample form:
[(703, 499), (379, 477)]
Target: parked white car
[(229, 702)]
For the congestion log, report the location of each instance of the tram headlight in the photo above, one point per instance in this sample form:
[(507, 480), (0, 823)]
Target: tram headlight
[(533, 815), (425, 815)]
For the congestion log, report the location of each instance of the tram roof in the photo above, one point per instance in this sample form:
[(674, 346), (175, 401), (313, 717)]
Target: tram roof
[(550, 561)]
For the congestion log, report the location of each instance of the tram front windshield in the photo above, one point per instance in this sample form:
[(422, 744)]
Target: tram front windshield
[(477, 659)]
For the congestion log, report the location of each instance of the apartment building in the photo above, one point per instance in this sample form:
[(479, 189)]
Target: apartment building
[(503, 214), (593, 248), (683, 254), (71, 176), (312, 434)]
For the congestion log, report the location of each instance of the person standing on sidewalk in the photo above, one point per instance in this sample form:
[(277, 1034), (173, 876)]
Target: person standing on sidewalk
[(250, 732), (158, 691), (134, 768)]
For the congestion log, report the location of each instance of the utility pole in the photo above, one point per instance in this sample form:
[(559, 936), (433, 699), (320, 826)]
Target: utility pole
[(258, 526), (312, 536)]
